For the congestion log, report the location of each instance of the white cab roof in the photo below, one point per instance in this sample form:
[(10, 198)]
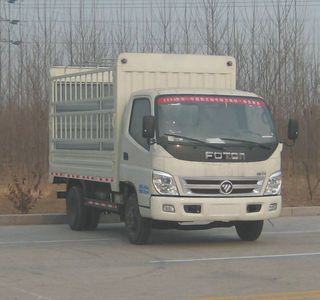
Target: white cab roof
[(157, 92)]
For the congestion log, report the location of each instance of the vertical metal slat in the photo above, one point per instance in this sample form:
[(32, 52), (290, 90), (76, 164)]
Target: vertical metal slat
[(91, 127), (71, 87), (75, 126), (86, 126), (91, 84), (81, 137), (109, 126), (103, 121), (75, 88), (70, 129), (65, 89), (85, 86), (80, 88), (60, 90), (102, 86)]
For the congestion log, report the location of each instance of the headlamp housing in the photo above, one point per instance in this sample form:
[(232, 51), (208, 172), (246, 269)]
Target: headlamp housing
[(273, 186), (164, 183)]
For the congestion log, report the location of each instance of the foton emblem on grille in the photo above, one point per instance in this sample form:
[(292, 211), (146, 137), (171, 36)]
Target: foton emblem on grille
[(226, 187), (226, 155)]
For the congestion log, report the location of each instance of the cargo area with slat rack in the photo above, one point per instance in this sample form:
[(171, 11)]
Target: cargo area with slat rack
[(81, 123)]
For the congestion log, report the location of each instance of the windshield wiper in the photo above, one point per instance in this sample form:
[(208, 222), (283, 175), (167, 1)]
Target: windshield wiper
[(194, 140), (246, 142)]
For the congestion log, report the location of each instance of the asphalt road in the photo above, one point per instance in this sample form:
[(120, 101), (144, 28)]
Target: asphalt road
[(52, 262)]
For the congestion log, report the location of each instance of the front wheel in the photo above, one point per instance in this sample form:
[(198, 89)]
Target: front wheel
[(249, 230), (138, 228)]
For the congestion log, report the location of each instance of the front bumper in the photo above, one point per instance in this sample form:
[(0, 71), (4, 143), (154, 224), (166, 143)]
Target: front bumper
[(215, 209)]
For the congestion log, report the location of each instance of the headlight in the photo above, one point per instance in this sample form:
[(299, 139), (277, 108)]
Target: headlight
[(274, 184), (164, 183)]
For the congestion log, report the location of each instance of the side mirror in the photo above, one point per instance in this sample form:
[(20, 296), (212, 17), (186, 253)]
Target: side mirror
[(293, 129), (148, 127)]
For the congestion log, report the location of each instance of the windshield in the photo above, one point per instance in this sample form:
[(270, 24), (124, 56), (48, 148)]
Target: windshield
[(215, 119)]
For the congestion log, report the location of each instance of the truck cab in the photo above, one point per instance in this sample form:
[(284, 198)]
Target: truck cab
[(210, 155)]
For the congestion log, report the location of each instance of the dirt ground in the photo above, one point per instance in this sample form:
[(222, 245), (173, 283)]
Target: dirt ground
[(295, 193)]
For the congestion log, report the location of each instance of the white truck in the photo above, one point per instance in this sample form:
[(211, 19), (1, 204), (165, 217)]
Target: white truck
[(165, 141)]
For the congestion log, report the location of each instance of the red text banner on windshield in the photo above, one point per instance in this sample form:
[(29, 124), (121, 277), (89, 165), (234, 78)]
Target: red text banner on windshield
[(210, 99)]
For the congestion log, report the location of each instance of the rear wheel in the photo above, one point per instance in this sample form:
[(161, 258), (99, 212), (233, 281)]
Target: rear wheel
[(138, 228), (76, 211), (249, 230), (92, 221)]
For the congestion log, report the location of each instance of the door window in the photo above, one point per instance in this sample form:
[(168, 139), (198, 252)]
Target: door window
[(140, 108)]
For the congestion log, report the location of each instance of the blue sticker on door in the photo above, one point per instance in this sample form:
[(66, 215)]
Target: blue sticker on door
[(143, 189)]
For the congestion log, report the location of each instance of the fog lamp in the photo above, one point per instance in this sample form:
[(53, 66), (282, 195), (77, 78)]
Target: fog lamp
[(168, 208), (273, 206)]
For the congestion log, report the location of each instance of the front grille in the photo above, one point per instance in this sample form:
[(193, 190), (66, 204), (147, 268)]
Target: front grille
[(210, 186), (205, 191)]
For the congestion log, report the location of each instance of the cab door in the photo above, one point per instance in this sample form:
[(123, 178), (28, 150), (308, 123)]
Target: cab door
[(136, 162)]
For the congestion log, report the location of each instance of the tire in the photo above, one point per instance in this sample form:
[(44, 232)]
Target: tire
[(249, 230), (76, 211), (92, 221), (138, 228)]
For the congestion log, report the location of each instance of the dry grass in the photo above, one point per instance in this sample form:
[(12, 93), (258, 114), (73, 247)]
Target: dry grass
[(47, 204)]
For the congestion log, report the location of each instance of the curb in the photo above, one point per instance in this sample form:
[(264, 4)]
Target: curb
[(54, 219), (300, 211), (47, 219)]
